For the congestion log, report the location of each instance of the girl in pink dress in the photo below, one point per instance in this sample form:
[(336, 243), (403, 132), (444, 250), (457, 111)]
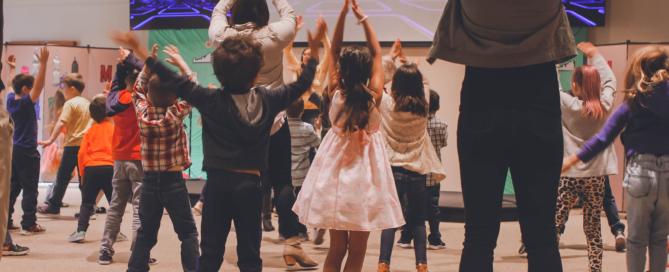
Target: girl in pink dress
[(350, 188)]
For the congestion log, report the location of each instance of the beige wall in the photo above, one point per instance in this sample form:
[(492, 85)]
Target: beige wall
[(634, 20), (445, 78), (88, 22)]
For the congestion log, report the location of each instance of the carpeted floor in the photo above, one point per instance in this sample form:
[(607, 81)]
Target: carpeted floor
[(51, 251)]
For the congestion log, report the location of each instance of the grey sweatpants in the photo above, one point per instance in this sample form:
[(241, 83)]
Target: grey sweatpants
[(127, 183), (647, 189), (6, 132)]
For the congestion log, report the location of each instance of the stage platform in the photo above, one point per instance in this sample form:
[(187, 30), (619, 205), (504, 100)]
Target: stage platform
[(453, 208)]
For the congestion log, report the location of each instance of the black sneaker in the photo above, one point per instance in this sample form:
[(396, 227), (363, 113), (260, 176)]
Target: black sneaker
[(47, 210), (522, 250), (15, 250), (105, 257), (436, 244), (100, 210)]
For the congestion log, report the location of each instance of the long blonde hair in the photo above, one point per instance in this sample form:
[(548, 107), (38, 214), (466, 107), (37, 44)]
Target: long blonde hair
[(647, 68)]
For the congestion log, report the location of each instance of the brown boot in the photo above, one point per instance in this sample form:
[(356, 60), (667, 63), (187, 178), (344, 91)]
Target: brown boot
[(383, 267), (421, 268), (293, 253)]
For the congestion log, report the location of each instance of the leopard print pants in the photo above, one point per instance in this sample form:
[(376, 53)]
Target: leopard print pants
[(592, 189)]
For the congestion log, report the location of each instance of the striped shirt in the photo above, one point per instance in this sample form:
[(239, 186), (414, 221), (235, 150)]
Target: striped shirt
[(438, 132), (164, 144), (303, 137)]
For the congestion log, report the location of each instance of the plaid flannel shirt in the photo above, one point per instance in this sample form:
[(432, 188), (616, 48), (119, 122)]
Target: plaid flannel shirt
[(162, 133), (438, 132)]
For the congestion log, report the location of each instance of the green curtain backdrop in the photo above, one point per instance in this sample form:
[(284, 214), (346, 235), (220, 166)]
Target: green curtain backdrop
[(192, 44)]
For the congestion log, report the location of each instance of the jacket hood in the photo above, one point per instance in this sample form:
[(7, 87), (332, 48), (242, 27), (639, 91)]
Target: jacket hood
[(657, 100)]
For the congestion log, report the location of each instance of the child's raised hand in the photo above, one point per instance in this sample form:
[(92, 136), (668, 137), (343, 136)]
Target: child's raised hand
[(589, 49), (315, 40), (123, 54), (43, 55), (173, 55), (107, 88), (357, 10), (396, 50), (11, 61), (154, 50), (347, 6), (130, 41), (299, 23)]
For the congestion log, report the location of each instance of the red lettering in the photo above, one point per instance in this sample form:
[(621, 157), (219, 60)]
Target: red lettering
[(105, 73)]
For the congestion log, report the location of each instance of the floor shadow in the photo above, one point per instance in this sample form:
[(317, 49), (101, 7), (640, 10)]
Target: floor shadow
[(584, 247)]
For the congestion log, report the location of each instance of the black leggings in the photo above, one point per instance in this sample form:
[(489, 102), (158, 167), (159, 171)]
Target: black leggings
[(410, 186), (96, 178)]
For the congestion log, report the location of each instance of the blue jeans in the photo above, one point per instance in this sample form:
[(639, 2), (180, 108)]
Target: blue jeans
[(411, 191), (433, 216), (164, 190), (647, 188), (611, 209)]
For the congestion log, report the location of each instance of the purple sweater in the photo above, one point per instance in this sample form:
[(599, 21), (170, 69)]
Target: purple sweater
[(645, 122)]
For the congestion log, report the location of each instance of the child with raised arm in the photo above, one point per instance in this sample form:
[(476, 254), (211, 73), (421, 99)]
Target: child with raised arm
[(165, 155), (350, 188), (128, 172), (237, 120), (312, 99), (74, 121), (643, 120), (9, 248), (25, 157), (96, 166)]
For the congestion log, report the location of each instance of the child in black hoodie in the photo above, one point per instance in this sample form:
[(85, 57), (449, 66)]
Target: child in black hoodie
[(237, 120)]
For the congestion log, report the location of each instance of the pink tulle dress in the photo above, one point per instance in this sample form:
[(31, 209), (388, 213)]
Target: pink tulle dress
[(350, 185)]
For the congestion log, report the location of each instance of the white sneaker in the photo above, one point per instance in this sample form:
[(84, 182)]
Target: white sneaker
[(77, 237)]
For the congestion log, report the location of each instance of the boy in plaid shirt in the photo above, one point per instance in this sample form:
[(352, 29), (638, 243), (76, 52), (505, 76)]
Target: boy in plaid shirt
[(164, 147)]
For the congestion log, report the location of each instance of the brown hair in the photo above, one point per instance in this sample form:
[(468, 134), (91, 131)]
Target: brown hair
[(296, 108), (75, 80), (22, 80), (97, 108), (250, 11), (237, 62), (408, 90), (160, 95), (647, 68), (355, 69)]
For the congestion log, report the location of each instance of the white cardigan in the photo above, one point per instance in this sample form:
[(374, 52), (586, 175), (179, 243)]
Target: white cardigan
[(408, 143), (273, 37)]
